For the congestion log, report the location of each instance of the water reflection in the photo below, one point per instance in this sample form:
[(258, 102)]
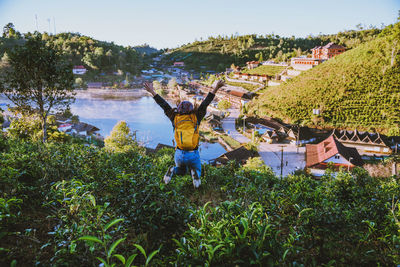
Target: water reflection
[(142, 115)]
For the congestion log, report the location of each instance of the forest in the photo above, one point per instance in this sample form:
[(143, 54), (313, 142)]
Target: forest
[(99, 57)]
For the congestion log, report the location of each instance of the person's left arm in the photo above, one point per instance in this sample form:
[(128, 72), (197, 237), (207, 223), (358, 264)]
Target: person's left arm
[(202, 110)]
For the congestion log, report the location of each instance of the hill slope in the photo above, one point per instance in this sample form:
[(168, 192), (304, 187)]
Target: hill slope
[(97, 56), (220, 52), (359, 88)]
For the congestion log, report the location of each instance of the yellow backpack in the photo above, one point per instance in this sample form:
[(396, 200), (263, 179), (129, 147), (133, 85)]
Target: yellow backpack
[(186, 131)]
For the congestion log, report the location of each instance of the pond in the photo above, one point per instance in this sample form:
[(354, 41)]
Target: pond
[(142, 115)]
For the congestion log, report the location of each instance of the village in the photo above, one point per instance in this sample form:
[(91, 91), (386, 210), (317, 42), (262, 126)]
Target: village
[(288, 148), (284, 147)]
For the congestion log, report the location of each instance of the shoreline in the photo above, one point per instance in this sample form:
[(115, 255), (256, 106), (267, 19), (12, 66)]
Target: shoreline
[(116, 94)]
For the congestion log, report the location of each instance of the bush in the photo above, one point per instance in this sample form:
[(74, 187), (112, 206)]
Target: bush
[(224, 104), (69, 204)]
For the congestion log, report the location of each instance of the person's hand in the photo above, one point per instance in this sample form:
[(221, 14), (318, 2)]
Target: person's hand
[(149, 88), (217, 85)]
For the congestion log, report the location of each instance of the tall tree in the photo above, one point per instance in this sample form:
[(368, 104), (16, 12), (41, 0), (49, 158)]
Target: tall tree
[(9, 30), (38, 79)]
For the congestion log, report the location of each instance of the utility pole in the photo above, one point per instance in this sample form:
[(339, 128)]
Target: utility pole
[(244, 123), (37, 27), (54, 23), (48, 20), (281, 160), (348, 166)]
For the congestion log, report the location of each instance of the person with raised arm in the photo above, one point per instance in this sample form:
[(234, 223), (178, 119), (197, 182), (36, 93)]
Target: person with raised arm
[(185, 121)]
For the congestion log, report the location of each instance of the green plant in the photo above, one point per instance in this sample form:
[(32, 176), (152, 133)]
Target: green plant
[(109, 250)]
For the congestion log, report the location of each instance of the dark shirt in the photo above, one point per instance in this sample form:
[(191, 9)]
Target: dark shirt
[(170, 112)]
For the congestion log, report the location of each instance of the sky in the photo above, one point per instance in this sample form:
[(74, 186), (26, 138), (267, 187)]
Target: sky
[(169, 24)]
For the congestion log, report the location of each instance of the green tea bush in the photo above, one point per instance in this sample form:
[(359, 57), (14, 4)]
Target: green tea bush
[(58, 202)]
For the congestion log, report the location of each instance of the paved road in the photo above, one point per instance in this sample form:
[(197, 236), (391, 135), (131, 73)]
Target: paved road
[(292, 160), (293, 157), (228, 124)]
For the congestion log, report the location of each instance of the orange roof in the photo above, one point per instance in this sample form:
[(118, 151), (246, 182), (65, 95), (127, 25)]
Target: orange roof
[(328, 148)]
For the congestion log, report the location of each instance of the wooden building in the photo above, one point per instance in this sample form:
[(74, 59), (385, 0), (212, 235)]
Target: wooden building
[(367, 144)]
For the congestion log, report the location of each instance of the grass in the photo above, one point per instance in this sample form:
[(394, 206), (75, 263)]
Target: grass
[(247, 86), (230, 141), (265, 69)]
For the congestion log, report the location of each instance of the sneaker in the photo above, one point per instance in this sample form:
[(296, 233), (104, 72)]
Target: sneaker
[(168, 175), (196, 179)]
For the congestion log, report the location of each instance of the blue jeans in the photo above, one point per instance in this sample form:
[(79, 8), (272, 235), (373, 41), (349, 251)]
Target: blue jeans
[(186, 160)]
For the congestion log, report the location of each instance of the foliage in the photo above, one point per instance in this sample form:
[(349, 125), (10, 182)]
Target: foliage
[(247, 86), (265, 69), (121, 139), (224, 104), (172, 84), (29, 127), (99, 57), (359, 88), (76, 205), (39, 79), (80, 83)]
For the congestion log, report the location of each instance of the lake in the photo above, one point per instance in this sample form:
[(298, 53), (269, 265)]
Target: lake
[(141, 114)]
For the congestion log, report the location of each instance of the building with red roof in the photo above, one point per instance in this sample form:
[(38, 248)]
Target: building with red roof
[(327, 51), (179, 64), (332, 152)]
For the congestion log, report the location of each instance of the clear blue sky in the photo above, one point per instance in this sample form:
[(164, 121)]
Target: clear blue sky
[(170, 23)]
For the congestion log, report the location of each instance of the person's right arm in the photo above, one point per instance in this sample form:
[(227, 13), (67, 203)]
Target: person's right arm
[(159, 100)]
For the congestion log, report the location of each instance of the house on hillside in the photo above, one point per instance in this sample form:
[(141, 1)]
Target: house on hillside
[(367, 144), (84, 129), (240, 155), (271, 137), (328, 51), (263, 78), (300, 136), (252, 64), (179, 64), (213, 121), (79, 70), (331, 152), (244, 76), (65, 127), (319, 55), (304, 63), (236, 75)]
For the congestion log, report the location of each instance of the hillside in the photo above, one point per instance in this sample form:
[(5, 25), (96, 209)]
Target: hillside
[(145, 49), (359, 88), (217, 53)]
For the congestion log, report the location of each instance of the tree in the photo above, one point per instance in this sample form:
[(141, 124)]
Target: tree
[(121, 138), (38, 79), (9, 31), (224, 104), (172, 84)]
